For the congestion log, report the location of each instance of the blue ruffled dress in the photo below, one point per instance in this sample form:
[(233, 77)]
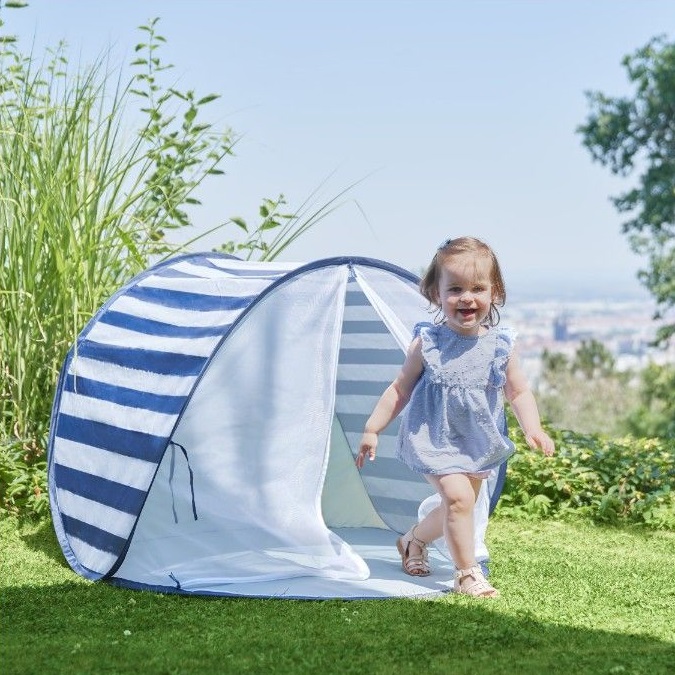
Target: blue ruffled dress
[(454, 421)]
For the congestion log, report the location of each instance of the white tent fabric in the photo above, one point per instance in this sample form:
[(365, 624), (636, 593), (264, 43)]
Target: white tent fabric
[(205, 427)]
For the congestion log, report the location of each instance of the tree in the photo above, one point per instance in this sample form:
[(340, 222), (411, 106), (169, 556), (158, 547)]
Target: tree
[(655, 415), (585, 392), (637, 135), (554, 362), (593, 360)]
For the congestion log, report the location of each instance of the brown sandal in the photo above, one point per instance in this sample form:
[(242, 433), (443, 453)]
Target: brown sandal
[(414, 565), (477, 585)]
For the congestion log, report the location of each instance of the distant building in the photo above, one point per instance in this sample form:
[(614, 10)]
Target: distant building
[(634, 346), (561, 328)]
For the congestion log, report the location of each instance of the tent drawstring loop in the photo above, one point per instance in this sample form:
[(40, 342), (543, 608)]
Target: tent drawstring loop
[(172, 467)]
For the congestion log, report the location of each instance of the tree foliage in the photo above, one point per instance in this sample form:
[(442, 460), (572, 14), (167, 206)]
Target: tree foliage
[(593, 360), (635, 135), (655, 414), (587, 406), (586, 393)]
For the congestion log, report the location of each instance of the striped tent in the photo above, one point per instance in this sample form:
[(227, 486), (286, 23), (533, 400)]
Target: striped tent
[(205, 424)]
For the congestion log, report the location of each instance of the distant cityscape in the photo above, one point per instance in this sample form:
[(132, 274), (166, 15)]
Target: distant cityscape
[(624, 326)]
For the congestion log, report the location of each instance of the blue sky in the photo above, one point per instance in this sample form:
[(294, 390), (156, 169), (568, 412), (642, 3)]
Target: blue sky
[(456, 117)]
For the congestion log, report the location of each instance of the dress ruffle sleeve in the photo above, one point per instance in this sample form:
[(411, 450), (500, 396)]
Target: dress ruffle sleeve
[(506, 339), (430, 351), (417, 329)]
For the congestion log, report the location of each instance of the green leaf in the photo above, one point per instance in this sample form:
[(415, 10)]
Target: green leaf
[(269, 224), (240, 222), (208, 99)]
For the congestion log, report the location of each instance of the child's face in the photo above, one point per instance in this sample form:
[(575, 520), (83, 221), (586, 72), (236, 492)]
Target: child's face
[(465, 292)]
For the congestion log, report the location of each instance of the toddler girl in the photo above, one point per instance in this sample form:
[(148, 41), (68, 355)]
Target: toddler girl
[(456, 374)]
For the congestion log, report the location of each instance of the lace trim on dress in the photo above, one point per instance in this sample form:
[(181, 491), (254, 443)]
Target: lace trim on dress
[(429, 333)]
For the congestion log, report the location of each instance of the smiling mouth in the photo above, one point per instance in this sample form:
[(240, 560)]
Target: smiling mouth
[(466, 312)]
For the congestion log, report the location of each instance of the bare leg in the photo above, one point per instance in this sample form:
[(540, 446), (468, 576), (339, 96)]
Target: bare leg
[(434, 524), (431, 527), (458, 494)]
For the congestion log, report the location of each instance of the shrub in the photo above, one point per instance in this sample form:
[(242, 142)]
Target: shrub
[(23, 478), (610, 480)]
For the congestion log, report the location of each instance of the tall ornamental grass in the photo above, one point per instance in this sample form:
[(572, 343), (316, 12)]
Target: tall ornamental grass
[(85, 203)]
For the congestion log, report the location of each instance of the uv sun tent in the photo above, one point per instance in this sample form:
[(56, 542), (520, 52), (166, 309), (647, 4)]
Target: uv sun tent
[(205, 425)]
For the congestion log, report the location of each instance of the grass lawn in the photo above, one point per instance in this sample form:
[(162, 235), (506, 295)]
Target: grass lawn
[(575, 599)]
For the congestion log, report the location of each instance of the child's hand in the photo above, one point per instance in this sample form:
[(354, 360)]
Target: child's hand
[(368, 446), (540, 439)]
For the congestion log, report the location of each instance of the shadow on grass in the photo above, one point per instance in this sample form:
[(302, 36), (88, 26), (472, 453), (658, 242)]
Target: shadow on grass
[(89, 628), (80, 627)]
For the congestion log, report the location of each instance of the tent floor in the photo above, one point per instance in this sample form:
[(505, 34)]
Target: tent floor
[(387, 580)]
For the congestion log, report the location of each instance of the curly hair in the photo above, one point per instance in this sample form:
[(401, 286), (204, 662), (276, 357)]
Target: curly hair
[(462, 245)]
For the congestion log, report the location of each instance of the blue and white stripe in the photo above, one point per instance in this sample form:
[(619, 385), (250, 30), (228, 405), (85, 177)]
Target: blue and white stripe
[(123, 387), (127, 380), (369, 360)]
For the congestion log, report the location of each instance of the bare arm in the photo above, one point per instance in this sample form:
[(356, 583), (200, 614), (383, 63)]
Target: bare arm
[(521, 398), (392, 401)]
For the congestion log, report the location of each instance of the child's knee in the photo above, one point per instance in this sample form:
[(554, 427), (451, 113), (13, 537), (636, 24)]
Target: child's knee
[(459, 503)]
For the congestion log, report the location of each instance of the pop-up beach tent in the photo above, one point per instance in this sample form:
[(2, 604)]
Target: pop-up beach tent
[(205, 425)]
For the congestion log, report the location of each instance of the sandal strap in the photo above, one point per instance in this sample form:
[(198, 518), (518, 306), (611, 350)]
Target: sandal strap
[(419, 542), (479, 585), (416, 564), (415, 561), (469, 572)]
